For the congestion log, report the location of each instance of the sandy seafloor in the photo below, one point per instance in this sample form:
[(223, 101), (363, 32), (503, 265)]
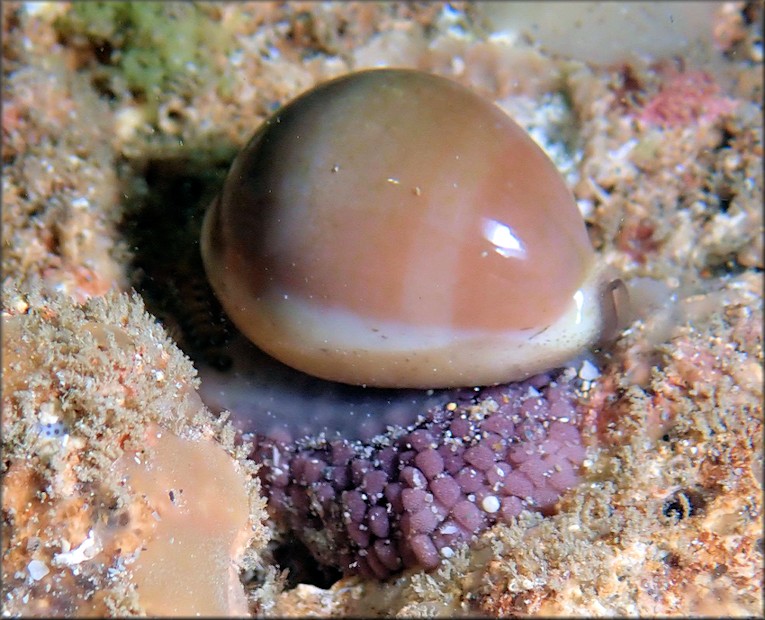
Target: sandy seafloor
[(125, 120)]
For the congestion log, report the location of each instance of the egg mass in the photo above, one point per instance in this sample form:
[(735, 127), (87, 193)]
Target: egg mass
[(392, 228)]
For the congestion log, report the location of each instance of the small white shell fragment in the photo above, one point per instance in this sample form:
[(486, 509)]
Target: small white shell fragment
[(588, 371), (447, 552), (37, 570), (85, 551), (490, 504)]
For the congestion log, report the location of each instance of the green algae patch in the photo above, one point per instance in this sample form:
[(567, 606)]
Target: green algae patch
[(152, 46)]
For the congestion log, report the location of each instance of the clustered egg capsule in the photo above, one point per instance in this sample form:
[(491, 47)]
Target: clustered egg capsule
[(414, 495), (392, 228)]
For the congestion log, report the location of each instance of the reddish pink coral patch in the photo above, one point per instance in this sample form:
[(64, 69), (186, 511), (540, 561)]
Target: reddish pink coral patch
[(686, 98)]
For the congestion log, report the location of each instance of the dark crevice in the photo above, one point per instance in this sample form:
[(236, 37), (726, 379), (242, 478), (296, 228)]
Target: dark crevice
[(162, 228), (302, 568)]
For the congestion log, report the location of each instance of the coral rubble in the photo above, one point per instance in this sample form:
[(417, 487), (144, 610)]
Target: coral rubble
[(118, 484)]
